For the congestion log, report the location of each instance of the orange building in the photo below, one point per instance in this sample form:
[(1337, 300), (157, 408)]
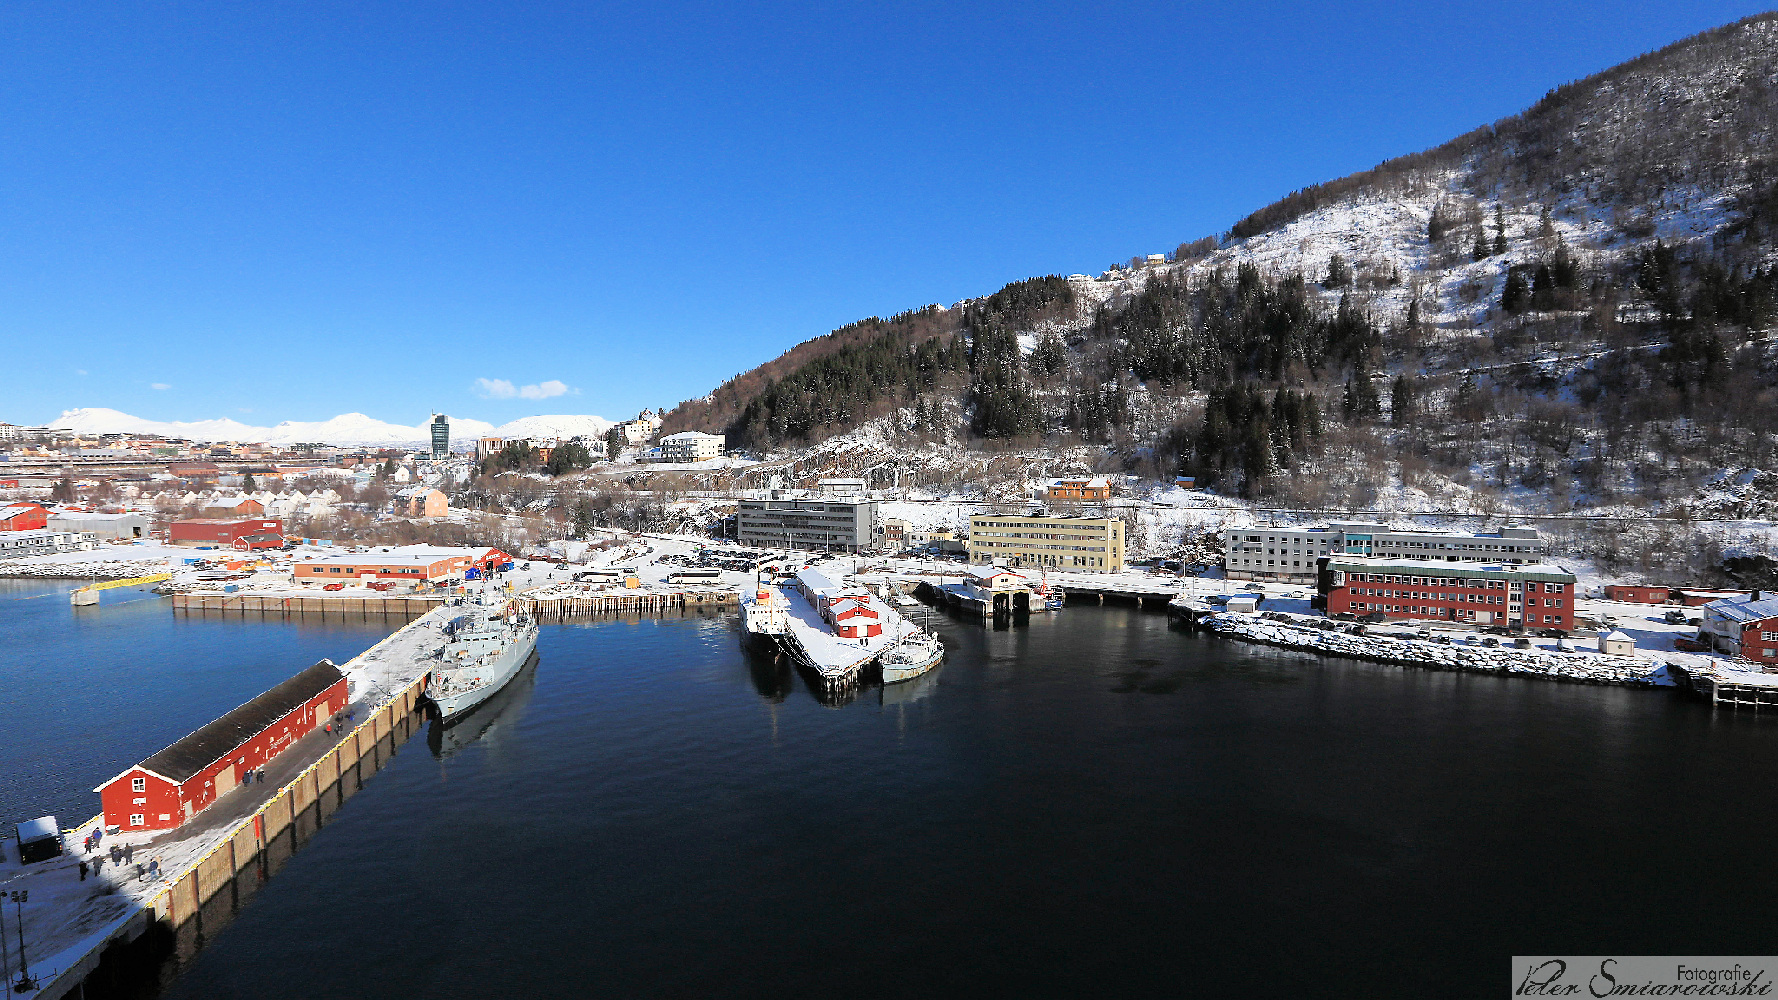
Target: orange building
[(422, 501), (1077, 490), (23, 517), (414, 565)]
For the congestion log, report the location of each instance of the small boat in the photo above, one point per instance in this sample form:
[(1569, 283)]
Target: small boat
[(905, 601), (911, 657)]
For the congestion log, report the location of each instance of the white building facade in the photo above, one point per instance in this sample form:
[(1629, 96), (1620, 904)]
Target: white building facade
[(692, 446), (1288, 554)]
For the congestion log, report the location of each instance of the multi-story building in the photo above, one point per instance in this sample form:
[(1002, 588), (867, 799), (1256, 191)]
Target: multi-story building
[(1289, 554), (691, 446), (807, 522), (1745, 625), (45, 541), (1086, 544), (646, 425), (1529, 595), (441, 437), (1097, 488)]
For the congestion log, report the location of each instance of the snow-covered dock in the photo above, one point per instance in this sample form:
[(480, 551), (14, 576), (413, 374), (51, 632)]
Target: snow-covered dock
[(69, 921), (838, 662), (1584, 668)]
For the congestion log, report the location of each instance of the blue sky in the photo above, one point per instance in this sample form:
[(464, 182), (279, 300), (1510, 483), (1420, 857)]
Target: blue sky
[(286, 211)]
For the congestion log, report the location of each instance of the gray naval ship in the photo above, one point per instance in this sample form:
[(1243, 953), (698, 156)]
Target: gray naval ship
[(484, 648)]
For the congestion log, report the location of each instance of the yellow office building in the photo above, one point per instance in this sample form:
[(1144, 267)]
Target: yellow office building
[(1079, 544)]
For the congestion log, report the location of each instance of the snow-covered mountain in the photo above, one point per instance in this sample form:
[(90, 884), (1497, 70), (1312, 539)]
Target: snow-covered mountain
[(345, 429)]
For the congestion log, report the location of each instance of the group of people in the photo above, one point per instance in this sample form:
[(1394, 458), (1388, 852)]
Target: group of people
[(119, 854)]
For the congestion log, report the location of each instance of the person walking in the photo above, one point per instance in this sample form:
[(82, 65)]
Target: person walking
[(83, 871), (129, 853)]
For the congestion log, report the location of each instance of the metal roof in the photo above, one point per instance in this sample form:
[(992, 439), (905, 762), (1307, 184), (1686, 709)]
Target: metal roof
[(218, 739), (1744, 609), (1417, 567)]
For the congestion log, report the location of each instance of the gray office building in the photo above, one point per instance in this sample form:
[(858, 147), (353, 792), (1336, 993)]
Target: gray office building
[(441, 437), (807, 522)]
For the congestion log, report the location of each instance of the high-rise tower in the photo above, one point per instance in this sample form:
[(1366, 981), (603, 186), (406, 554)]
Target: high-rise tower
[(441, 437)]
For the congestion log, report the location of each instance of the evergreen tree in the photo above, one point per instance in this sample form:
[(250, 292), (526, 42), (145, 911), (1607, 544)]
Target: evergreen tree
[(1499, 231), (63, 490), (1515, 296), (1543, 289), (1546, 227), (1413, 314), (1563, 267), (614, 443), (247, 485), (1403, 401), (1339, 273), (1481, 246)]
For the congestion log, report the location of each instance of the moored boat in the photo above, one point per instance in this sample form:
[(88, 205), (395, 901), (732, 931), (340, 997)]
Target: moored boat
[(911, 657), (484, 648)]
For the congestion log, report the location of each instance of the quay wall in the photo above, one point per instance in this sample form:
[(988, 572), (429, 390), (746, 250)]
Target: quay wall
[(198, 900), (263, 605)]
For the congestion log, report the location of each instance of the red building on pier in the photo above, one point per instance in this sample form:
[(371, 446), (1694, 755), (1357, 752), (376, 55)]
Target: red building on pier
[(184, 779)]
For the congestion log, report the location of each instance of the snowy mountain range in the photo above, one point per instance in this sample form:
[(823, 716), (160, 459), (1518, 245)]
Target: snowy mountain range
[(345, 429)]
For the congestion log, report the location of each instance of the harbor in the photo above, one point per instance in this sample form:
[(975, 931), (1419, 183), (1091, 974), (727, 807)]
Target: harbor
[(75, 922)]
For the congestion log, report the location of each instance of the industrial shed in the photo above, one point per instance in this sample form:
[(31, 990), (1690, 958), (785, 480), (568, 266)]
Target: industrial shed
[(184, 779)]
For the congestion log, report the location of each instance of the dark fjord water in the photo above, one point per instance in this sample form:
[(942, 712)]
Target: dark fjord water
[(1085, 804)]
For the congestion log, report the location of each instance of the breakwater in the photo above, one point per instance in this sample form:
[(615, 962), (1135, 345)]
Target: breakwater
[(1582, 668)]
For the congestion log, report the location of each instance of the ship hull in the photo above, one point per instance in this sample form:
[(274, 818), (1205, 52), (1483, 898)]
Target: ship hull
[(504, 668), (896, 672)]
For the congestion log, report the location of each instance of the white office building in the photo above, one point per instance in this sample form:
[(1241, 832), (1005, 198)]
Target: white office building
[(1288, 554)]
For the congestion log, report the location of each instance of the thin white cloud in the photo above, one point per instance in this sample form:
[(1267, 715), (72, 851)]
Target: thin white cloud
[(499, 388), (80, 371), (159, 385)]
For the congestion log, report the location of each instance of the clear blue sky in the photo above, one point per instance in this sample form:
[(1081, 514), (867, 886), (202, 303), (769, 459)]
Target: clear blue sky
[(287, 211)]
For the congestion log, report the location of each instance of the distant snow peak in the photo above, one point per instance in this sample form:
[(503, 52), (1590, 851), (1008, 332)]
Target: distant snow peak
[(345, 429)]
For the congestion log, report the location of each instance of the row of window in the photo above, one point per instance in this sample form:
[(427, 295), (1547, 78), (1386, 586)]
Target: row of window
[(1439, 581)]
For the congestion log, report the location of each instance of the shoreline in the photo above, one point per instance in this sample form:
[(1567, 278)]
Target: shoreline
[(1571, 668)]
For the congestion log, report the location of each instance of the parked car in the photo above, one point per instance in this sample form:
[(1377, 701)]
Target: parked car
[(334, 586), (1297, 595), (1551, 633), (1690, 645), (1674, 617), (1490, 641), (1254, 587)]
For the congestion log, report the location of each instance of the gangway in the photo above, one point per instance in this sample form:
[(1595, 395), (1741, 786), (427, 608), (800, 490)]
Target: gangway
[(89, 594)]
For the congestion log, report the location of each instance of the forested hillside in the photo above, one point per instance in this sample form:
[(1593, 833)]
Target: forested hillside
[(1569, 308)]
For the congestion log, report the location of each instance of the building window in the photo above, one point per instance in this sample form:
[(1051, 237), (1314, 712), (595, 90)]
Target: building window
[(138, 784), (137, 819)]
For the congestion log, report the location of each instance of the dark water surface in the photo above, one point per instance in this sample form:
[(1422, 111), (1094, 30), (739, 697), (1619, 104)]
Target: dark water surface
[(1087, 804)]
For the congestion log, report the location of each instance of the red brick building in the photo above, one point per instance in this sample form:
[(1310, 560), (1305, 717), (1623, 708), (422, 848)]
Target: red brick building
[(1637, 594), (224, 532), (186, 778), (23, 516), (1529, 596)]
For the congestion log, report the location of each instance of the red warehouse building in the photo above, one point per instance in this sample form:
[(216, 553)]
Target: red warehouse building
[(1527, 596), (184, 779), (223, 531), (412, 566), (23, 517), (854, 618), (1637, 594)]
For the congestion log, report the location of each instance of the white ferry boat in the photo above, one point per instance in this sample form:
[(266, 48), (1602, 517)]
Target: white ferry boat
[(484, 648)]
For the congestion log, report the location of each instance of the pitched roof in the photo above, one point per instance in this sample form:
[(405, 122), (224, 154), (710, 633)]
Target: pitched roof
[(217, 739), (1743, 609)]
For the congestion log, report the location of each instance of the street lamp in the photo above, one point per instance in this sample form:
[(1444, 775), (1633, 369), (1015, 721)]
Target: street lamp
[(25, 983)]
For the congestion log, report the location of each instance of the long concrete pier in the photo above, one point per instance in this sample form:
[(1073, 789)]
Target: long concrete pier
[(85, 928)]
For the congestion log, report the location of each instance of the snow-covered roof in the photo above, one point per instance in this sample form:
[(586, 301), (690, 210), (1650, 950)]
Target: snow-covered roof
[(1529, 571), (1095, 483), (1616, 635), (691, 436), (1745, 609)]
